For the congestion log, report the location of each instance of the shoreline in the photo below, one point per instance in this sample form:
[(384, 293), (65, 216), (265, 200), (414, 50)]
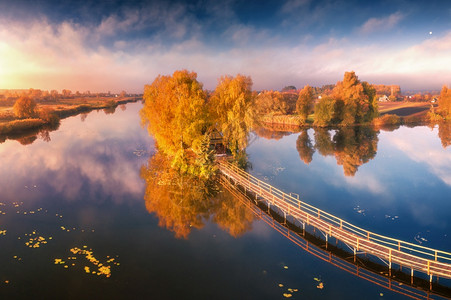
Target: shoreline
[(18, 127)]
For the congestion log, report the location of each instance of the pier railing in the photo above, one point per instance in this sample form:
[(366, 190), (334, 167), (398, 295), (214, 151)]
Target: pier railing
[(427, 260)]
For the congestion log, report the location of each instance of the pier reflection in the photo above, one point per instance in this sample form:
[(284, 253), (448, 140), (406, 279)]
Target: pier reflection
[(363, 267)]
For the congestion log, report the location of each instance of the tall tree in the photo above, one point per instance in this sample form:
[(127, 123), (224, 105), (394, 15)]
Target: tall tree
[(232, 105), (305, 102), (176, 115), (444, 103)]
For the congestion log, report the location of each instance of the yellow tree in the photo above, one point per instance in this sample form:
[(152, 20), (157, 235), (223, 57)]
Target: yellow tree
[(232, 106), (176, 115), (305, 102)]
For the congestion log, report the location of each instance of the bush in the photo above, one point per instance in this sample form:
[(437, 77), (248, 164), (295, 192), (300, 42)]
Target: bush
[(48, 116), (387, 120), (25, 107)]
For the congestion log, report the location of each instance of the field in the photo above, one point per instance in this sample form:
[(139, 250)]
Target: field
[(404, 109)]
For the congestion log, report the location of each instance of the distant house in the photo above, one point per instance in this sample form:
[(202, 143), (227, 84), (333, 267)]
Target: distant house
[(383, 98)]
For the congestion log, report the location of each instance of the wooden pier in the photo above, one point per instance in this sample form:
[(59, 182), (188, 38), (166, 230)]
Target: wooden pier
[(431, 262)]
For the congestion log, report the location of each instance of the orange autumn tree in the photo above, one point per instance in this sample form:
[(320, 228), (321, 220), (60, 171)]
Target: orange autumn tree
[(305, 102), (271, 102), (444, 103), (25, 107), (176, 114), (233, 111), (357, 100), (352, 102)]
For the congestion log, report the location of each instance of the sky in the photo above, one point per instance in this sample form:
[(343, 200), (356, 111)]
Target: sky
[(120, 45)]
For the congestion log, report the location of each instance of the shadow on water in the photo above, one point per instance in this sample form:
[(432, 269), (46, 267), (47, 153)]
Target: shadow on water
[(365, 267)]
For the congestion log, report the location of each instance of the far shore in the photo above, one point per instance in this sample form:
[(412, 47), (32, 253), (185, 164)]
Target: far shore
[(401, 112), (11, 126)]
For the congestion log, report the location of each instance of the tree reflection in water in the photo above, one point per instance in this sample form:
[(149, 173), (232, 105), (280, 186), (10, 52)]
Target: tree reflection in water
[(351, 146), (184, 201), (444, 133)]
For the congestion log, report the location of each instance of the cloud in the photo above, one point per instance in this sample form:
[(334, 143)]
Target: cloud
[(293, 5), (381, 24), (68, 167), (426, 150), (129, 49)]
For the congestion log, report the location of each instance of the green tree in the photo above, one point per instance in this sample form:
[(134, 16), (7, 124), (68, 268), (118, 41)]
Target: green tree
[(176, 115), (25, 107), (232, 106), (305, 102), (325, 111)]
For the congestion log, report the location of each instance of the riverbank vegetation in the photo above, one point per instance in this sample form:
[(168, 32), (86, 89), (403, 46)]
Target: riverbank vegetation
[(24, 111)]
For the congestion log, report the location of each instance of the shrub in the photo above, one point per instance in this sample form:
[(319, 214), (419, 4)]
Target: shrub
[(48, 115)]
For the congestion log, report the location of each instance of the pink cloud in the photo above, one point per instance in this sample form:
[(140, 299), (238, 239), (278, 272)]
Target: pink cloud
[(381, 24)]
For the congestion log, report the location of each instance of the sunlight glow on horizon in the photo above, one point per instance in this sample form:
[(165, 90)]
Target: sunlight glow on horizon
[(69, 55)]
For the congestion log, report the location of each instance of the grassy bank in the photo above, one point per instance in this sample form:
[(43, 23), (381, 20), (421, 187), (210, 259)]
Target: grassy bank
[(391, 114), (290, 120), (20, 125), (10, 125)]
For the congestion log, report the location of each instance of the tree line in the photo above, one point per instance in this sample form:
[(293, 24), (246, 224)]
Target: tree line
[(54, 95)]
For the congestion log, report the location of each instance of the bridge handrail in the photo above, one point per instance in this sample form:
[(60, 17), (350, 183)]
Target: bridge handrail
[(389, 242)]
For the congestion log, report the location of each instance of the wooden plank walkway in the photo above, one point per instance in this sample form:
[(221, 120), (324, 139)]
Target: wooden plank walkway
[(412, 291), (418, 258)]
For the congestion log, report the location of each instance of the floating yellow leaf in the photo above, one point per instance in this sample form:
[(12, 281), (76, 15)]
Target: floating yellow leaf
[(286, 295)]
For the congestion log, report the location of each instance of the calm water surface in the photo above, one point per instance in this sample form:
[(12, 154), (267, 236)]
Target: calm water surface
[(73, 211)]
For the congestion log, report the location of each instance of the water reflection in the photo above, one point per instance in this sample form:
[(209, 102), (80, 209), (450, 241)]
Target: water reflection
[(305, 147), (337, 254), (351, 146), (182, 202), (444, 133), (28, 137)]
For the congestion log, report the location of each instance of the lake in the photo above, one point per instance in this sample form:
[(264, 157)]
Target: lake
[(80, 219)]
